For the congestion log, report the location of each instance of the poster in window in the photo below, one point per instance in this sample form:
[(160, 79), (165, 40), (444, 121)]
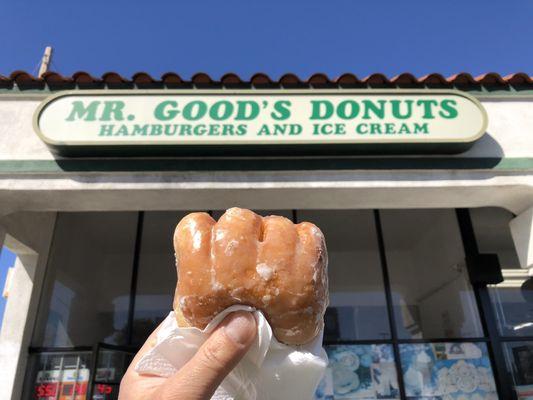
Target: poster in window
[(359, 372), (451, 371)]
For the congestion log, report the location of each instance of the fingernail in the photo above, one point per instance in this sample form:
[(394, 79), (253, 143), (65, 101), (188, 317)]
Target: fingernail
[(241, 327)]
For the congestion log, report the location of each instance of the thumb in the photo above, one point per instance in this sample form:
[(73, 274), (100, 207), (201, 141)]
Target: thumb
[(201, 376)]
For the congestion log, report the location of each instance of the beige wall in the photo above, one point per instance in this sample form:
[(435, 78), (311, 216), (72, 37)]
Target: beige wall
[(28, 235)]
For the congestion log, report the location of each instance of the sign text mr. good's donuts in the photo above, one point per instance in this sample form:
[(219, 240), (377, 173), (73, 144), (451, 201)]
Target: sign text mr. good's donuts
[(110, 118)]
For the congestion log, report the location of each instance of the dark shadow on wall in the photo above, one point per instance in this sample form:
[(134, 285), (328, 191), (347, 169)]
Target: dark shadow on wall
[(432, 159)]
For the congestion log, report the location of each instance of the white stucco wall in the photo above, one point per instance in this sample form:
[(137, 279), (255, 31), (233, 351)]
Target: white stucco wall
[(509, 135), (28, 235)]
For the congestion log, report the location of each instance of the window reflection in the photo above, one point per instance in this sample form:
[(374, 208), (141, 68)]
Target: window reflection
[(512, 299), (156, 276), (513, 303), (431, 291), (357, 296), (86, 291)]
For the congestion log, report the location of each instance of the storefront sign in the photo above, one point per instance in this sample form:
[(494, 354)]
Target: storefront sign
[(282, 121)]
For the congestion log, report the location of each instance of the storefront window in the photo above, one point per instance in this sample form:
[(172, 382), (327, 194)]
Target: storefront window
[(431, 292), (86, 300), (86, 292), (156, 276), (454, 370), (357, 309)]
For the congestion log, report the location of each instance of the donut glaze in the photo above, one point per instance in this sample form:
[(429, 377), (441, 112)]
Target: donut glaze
[(266, 262)]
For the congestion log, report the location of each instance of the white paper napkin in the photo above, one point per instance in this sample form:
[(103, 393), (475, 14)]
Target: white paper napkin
[(270, 370)]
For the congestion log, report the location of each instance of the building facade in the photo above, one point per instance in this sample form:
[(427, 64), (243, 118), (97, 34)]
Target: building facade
[(430, 286)]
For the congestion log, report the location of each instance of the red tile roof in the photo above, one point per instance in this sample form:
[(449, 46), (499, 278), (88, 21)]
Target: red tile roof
[(142, 80)]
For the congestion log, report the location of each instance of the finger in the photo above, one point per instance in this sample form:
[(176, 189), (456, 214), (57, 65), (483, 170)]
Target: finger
[(201, 376)]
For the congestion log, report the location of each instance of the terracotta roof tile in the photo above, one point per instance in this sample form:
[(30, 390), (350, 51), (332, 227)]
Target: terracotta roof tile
[(25, 80), (491, 79), (113, 80), (435, 81), (56, 81), (261, 80), (82, 77), (349, 80), (291, 81), (518, 79), (230, 79), (463, 79), (378, 80), (406, 80), (203, 81), (173, 81), (320, 80)]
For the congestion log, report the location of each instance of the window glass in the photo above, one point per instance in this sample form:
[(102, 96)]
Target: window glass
[(359, 372), (156, 276), (458, 370), (358, 308), (512, 299), (513, 302), (88, 278), (431, 292), (519, 357)]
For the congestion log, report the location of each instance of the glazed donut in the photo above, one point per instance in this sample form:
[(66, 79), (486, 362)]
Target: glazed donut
[(268, 263)]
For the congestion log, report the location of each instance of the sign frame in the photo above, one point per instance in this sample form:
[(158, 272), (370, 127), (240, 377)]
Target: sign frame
[(243, 148)]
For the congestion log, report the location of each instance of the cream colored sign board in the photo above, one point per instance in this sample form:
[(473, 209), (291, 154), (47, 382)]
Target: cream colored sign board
[(257, 117)]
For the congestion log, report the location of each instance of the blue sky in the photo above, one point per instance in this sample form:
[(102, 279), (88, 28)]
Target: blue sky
[(7, 259), (247, 36)]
